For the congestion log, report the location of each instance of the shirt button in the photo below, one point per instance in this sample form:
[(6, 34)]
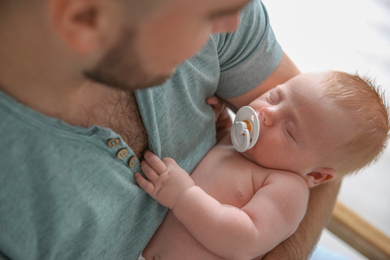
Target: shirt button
[(114, 142), (121, 153), (132, 161)]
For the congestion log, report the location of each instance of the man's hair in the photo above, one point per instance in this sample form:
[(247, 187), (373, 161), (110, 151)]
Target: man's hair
[(366, 105)]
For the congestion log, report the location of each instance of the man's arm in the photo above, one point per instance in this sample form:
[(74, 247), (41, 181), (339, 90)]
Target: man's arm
[(285, 71), (319, 211)]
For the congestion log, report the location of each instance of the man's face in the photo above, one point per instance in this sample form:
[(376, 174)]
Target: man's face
[(298, 125), (148, 53)]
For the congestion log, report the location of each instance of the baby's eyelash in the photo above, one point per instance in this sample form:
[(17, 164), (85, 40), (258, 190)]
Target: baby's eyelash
[(270, 99), (289, 132)]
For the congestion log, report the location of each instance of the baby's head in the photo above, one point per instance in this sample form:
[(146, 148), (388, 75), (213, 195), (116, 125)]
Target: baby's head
[(320, 126), (365, 104)]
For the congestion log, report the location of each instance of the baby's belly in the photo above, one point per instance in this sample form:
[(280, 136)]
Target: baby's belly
[(172, 241), (221, 175)]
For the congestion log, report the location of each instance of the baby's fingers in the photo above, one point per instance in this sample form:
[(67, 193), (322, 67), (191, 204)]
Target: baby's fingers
[(213, 101), (149, 172), (156, 163), (144, 183)]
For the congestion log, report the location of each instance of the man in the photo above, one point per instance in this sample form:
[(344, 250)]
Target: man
[(70, 146)]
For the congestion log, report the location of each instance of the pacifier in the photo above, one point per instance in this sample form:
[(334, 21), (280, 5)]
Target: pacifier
[(245, 130)]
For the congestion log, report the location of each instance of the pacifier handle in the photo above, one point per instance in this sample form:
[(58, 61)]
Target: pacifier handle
[(245, 129), (241, 128)]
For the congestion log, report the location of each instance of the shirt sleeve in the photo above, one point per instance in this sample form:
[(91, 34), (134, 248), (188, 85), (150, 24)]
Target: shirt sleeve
[(249, 55)]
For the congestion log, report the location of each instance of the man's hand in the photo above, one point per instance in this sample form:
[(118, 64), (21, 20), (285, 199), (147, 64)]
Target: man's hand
[(167, 181)]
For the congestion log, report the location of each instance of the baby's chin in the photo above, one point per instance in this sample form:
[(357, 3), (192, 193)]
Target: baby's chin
[(252, 156)]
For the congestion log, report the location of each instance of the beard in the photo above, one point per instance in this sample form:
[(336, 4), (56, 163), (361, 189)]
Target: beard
[(121, 67)]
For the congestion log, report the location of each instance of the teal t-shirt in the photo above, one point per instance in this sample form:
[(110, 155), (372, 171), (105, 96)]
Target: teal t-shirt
[(68, 192)]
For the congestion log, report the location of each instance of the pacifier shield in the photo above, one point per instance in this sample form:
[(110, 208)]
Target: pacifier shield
[(245, 130)]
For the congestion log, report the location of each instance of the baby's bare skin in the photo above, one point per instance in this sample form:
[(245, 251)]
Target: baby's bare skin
[(228, 177)]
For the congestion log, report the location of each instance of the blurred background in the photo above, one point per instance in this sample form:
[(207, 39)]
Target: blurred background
[(351, 36)]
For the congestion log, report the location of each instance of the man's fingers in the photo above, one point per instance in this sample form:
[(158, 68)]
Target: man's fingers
[(156, 163), (144, 183)]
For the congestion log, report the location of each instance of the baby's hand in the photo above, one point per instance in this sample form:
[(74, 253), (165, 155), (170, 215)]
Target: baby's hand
[(223, 121), (218, 106), (167, 181)]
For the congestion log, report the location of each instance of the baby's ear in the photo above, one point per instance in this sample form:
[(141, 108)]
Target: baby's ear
[(318, 176)]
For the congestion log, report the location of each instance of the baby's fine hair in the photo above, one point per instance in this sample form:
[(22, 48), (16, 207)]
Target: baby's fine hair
[(367, 107)]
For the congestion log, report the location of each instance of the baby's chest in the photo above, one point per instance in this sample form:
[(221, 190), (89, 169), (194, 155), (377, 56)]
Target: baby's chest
[(229, 179)]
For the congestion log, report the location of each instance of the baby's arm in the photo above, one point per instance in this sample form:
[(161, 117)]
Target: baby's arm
[(271, 215)]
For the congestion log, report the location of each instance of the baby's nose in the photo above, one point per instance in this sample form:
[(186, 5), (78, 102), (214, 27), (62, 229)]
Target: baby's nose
[(267, 115)]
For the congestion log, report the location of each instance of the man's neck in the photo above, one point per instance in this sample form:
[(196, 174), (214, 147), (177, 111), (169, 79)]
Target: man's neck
[(70, 101)]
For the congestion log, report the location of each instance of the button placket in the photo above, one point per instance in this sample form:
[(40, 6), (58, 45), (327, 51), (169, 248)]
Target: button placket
[(123, 152)]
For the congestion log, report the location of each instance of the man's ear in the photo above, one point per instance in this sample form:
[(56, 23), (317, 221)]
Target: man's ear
[(318, 176), (78, 22)]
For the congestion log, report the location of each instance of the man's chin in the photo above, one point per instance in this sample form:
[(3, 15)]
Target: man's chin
[(157, 81), (130, 85)]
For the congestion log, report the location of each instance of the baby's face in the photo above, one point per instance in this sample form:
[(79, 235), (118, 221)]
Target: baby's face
[(298, 126)]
